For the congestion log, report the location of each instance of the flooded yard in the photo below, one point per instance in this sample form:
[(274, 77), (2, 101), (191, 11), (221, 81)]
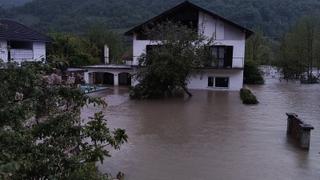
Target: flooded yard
[(213, 136)]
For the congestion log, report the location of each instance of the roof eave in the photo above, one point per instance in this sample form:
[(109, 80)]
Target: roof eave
[(132, 30)]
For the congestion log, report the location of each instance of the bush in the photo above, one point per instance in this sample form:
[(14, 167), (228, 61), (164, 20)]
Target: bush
[(248, 97), (141, 92), (252, 74)]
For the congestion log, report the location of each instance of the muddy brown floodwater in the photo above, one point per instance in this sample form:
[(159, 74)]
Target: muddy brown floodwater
[(213, 136)]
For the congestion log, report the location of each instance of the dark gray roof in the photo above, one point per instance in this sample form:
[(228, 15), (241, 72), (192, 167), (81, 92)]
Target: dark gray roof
[(183, 5), (11, 30)]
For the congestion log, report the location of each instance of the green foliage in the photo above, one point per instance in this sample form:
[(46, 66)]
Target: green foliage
[(252, 74), (299, 49), (100, 36), (273, 16), (6, 3), (258, 49), (166, 68), (87, 49), (248, 97), (41, 131), (73, 50)]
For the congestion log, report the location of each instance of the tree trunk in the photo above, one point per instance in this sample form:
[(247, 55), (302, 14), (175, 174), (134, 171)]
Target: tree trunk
[(187, 91)]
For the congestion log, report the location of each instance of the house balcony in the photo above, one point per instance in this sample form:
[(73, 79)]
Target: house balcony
[(234, 63), (21, 54)]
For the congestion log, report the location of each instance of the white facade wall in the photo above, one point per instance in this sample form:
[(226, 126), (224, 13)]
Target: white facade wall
[(139, 48), (37, 53), (223, 34), (200, 80), (3, 51)]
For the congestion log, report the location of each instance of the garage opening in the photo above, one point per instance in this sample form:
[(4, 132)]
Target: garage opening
[(104, 78), (125, 79)]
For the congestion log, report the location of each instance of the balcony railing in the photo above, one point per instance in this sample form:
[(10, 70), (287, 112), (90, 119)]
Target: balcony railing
[(236, 63), (21, 54)]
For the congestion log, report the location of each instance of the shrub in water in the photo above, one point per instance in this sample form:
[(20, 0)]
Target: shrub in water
[(248, 97), (252, 74)]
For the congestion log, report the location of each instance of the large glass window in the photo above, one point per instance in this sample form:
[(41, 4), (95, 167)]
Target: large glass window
[(220, 56), (222, 82)]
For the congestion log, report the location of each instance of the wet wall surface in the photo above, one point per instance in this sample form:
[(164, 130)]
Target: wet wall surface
[(213, 136)]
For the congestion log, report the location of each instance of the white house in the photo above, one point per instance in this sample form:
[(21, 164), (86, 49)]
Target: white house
[(228, 49), (20, 43)]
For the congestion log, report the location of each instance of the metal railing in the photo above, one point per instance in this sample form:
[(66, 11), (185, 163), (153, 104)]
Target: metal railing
[(223, 64), (237, 63)]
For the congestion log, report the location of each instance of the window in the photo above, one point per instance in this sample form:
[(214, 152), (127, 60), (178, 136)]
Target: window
[(210, 81), (21, 45), (220, 56), (222, 82)]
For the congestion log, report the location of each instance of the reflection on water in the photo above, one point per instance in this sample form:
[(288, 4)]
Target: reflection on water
[(213, 136)]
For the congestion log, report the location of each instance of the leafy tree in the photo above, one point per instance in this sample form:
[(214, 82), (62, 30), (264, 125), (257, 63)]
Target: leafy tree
[(41, 131), (257, 52), (167, 65), (258, 49), (299, 50), (252, 73), (73, 50), (100, 36)]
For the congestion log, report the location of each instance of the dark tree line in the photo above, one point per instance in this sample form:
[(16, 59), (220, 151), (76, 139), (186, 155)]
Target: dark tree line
[(274, 16), (299, 54)]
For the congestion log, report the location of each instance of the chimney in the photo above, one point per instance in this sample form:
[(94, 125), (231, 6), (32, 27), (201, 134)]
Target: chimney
[(106, 54)]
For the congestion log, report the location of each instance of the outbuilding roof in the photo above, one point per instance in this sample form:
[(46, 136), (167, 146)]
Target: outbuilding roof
[(187, 4), (12, 30)]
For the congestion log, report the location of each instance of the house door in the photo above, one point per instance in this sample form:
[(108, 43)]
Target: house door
[(228, 57)]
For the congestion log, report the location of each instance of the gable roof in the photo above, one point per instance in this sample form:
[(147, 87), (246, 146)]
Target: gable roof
[(12, 30), (183, 5)]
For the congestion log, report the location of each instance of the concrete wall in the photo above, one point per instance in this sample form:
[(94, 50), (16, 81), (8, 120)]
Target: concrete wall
[(200, 80), (115, 72)]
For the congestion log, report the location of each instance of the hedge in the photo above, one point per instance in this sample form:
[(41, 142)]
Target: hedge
[(248, 97)]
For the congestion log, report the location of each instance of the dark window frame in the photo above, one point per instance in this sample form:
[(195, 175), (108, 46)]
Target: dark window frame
[(220, 56), (25, 45), (221, 86), (211, 81)]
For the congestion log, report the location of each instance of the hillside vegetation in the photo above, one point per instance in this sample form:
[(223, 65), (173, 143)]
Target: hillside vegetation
[(273, 16), (10, 3)]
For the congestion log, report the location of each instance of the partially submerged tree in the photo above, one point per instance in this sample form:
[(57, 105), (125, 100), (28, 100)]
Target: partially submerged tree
[(176, 52), (41, 131), (258, 49), (252, 73), (258, 52), (299, 50)]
